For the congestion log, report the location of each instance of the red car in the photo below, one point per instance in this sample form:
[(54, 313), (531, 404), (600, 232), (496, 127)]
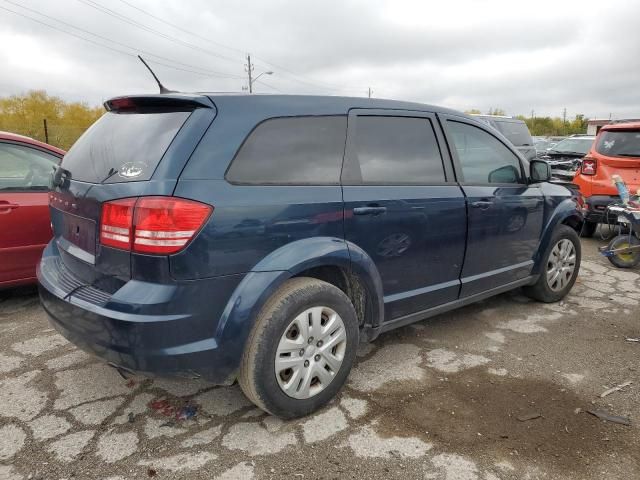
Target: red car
[(25, 169)]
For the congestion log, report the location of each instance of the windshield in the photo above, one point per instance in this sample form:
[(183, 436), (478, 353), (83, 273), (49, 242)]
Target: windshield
[(619, 143), (516, 132), (573, 145), (123, 147)]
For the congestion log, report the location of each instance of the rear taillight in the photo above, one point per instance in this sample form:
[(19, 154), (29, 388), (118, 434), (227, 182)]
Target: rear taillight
[(589, 166), (116, 223), (155, 225)]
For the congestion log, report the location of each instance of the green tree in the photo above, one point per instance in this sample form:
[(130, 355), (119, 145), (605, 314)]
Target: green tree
[(66, 121)]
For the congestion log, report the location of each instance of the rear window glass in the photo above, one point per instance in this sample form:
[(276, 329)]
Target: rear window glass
[(617, 143), (394, 150), (122, 147), (516, 132), (292, 151)]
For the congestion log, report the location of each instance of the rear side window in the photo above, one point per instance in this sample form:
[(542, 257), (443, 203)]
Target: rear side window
[(122, 147), (616, 143), (516, 132), (393, 150), (483, 158), (292, 151), (24, 168)]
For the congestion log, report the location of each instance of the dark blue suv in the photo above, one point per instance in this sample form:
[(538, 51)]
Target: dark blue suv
[(261, 238)]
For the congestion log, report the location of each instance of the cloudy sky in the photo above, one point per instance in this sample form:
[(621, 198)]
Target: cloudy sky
[(460, 53)]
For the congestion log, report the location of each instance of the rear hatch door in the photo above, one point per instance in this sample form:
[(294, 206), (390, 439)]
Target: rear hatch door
[(618, 154), (138, 148)]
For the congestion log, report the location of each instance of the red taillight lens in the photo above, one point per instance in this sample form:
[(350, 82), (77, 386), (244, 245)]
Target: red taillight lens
[(157, 225), (116, 223), (165, 224), (589, 166)]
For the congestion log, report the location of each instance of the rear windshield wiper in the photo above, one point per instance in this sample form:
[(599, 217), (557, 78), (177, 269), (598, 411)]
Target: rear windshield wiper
[(629, 155), (111, 173)]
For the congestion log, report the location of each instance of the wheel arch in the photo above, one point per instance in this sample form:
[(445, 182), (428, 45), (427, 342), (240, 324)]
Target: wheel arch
[(326, 258), (564, 214)]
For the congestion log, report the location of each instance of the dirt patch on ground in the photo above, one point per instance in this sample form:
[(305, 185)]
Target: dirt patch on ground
[(475, 412)]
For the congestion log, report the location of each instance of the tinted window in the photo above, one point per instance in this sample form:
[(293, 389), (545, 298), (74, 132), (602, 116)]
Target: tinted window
[(293, 150), (24, 168), (132, 144), (401, 150), (516, 132), (483, 158), (616, 143)]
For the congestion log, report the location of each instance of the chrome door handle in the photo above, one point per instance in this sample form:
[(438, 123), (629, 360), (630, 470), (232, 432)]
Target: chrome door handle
[(481, 204), (369, 210)]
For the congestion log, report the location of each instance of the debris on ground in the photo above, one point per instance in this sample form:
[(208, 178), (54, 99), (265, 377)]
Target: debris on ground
[(617, 388), (529, 416), (165, 408), (610, 418), (131, 383), (187, 412), (636, 340)]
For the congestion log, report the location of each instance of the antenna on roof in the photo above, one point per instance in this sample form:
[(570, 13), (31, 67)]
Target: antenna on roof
[(163, 89)]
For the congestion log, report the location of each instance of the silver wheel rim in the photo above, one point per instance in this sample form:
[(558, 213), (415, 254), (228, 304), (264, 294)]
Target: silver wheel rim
[(310, 352), (561, 265)]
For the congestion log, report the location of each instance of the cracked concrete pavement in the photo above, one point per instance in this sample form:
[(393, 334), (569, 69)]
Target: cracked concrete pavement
[(439, 399)]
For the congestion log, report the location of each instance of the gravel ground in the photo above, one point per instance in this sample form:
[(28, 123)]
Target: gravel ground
[(450, 398)]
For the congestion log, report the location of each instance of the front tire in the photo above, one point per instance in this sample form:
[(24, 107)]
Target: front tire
[(301, 348), (560, 267)]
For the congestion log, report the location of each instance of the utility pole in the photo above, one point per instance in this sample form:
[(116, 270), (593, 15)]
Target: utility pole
[(564, 120), (532, 114), (46, 131), (249, 69), (370, 92)]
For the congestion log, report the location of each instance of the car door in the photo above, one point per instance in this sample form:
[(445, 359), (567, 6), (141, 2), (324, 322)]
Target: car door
[(505, 213), (403, 207), (25, 227)]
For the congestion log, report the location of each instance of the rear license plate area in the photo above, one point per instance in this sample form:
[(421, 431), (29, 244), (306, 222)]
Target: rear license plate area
[(79, 231)]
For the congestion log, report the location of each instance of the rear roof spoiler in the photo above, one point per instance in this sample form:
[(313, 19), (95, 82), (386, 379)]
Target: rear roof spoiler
[(157, 103)]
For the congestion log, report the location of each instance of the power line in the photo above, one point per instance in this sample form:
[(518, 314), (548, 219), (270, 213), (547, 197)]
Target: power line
[(178, 27), (190, 68), (294, 76), (123, 18), (98, 43)]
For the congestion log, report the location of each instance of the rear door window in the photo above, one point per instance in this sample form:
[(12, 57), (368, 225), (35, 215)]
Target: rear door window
[(123, 147), (483, 158), (616, 143), (393, 150), (291, 151)]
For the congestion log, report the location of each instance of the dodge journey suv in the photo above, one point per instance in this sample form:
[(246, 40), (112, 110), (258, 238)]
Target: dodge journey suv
[(261, 238)]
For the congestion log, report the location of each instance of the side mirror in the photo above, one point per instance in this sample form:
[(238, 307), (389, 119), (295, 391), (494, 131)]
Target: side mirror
[(540, 171)]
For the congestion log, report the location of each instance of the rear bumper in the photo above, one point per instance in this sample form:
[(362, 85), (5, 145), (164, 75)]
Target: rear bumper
[(597, 207), (156, 329)]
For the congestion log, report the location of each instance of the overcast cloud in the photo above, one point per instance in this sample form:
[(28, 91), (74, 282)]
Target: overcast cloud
[(462, 54)]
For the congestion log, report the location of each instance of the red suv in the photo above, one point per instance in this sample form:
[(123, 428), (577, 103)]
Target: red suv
[(25, 228), (616, 150)]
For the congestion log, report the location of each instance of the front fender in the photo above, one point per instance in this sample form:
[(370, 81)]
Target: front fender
[(565, 210), (266, 277)]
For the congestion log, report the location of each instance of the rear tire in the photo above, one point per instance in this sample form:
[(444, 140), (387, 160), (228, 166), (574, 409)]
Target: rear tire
[(560, 267), (625, 260), (588, 229), (306, 317)]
